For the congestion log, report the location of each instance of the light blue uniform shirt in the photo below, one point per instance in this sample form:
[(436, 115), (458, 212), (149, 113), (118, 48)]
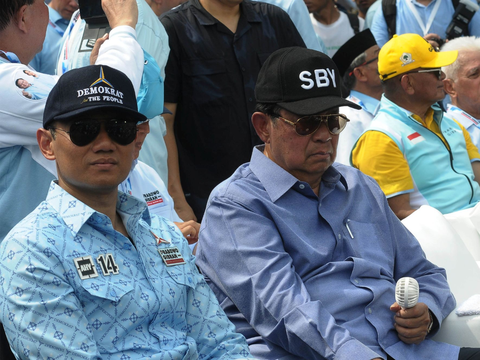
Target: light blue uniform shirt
[(46, 60), (313, 277), (406, 22), (73, 287), (371, 13)]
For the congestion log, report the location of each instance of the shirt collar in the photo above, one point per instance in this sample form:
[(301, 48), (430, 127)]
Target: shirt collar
[(437, 111), (277, 181), (368, 103), (205, 18), (75, 213), (55, 17)]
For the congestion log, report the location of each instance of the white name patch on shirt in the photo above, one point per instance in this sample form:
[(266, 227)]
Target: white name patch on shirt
[(171, 256), (85, 267)]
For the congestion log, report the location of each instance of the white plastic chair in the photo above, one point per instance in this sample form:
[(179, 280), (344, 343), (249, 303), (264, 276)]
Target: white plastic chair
[(444, 246)]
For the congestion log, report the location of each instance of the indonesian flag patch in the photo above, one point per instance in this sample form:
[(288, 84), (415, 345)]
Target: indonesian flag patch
[(415, 138)]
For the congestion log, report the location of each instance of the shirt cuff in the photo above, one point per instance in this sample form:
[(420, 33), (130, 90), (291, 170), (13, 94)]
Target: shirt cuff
[(123, 29)]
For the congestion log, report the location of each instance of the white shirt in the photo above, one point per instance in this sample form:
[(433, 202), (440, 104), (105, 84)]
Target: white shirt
[(336, 34), (359, 121)]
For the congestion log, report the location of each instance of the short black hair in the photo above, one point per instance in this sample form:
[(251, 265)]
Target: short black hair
[(269, 109), (8, 8)]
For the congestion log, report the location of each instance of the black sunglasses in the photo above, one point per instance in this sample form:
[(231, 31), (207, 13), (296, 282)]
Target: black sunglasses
[(437, 72), (307, 125), (83, 132)]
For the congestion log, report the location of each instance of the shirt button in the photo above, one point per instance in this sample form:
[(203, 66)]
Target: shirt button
[(189, 279), (370, 310), (113, 293), (339, 236), (356, 281), (301, 186)]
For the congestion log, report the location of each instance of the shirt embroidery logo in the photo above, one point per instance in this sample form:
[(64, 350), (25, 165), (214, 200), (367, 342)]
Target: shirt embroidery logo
[(108, 264), (171, 256), (415, 138), (85, 267)]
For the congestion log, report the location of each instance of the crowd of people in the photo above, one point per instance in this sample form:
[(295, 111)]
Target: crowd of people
[(210, 179)]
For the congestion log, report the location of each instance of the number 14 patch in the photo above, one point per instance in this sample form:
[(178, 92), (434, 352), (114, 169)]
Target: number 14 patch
[(87, 269)]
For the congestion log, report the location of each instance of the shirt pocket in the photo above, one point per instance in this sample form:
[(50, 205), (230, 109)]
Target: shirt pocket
[(183, 275), (98, 289), (370, 243), (206, 81)]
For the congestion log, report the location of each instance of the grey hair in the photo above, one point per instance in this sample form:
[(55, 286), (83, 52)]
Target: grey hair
[(462, 44), (349, 81)]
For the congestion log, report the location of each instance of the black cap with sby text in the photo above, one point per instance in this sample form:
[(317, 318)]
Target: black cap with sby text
[(85, 91), (302, 81)]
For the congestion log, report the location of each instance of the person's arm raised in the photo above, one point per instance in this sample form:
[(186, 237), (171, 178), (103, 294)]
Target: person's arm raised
[(121, 49)]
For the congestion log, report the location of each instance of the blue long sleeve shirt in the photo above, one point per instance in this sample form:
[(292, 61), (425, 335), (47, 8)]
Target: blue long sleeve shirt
[(407, 23), (313, 277), (71, 287)]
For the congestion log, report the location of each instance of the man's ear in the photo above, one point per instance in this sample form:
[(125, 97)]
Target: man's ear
[(262, 123), (449, 87), (21, 18), (407, 84), (359, 75), (45, 143)]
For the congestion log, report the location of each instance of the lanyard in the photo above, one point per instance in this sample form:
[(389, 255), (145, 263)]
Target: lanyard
[(11, 57), (420, 22)]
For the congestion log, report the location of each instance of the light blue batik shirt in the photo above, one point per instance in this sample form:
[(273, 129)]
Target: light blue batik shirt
[(74, 288)]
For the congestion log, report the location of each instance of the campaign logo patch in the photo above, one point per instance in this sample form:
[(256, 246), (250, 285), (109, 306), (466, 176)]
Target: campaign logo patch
[(415, 138), (153, 198), (85, 267), (171, 256)]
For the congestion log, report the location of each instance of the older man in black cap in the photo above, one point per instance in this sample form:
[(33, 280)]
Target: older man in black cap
[(357, 62), (304, 253), (91, 273)]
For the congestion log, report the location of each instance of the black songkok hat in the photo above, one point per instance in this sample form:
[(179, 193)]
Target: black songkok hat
[(355, 46)]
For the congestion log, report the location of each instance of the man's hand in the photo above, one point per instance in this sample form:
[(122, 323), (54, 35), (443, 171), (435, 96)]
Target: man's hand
[(434, 40), (411, 324), (96, 49), (121, 12), (189, 230)]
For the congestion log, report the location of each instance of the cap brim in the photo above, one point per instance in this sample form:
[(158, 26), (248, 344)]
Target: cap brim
[(120, 111), (316, 105), (442, 59)]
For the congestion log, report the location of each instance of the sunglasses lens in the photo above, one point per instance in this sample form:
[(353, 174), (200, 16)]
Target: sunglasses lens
[(84, 132), (336, 124), (122, 132), (307, 125)]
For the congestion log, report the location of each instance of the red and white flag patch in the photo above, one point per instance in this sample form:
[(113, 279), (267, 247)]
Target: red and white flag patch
[(415, 138)]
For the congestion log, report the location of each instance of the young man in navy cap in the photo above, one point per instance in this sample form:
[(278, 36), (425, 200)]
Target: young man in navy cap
[(91, 273), (303, 254)]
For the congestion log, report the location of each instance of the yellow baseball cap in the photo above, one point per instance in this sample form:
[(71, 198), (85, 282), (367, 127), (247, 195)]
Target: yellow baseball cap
[(406, 52)]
